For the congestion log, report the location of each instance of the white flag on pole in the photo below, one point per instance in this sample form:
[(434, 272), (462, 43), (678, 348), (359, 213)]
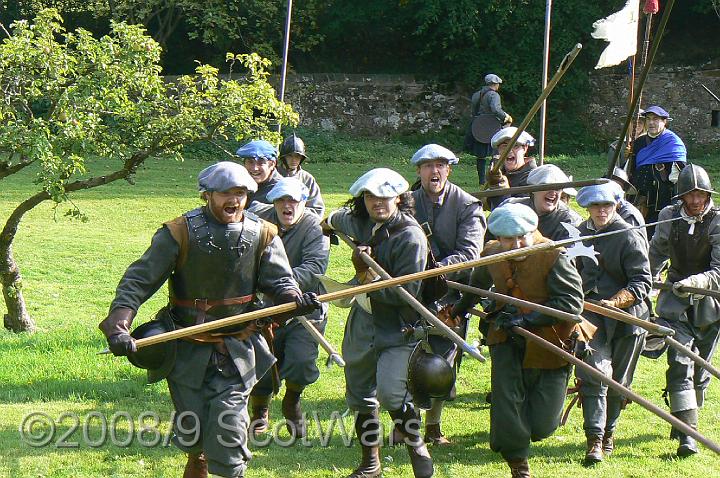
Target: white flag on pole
[(620, 30)]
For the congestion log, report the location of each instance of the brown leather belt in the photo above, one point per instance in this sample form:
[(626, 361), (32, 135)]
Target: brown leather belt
[(205, 304), (218, 337)]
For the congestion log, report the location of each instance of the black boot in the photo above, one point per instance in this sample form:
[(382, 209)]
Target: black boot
[(688, 445), (367, 429), (594, 452), (420, 458), (259, 418), (196, 466), (292, 412), (519, 468)]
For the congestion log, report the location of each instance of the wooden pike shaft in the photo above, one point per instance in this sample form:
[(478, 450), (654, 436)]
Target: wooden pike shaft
[(416, 304), (333, 355), (558, 314), (624, 391), (538, 187), (564, 66), (692, 355), (690, 290), (641, 82), (622, 316), (366, 288)]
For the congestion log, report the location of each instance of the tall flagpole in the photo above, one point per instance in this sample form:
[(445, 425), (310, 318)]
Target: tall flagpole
[(546, 58), (283, 74)]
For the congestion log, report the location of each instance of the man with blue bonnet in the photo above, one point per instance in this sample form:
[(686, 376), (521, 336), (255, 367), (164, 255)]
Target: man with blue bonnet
[(487, 118), (295, 348), (375, 347), (260, 159), (454, 224), (691, 244), (216, 259), (657, 159), (548, 205), (528, 383), (620, 279), (517, 166), (292, 156)]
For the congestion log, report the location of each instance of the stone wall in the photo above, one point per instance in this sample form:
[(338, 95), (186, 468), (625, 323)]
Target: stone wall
[(678, 90), (385, 104), (374, 104)]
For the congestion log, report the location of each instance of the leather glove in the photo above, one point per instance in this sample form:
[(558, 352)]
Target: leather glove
[(621, 300), (327, 229), (359, 264), (497, 180), (306, 304), (508, 120), (697, 280), (460, 309), (677, 286), (505, 321), (121, 344), (116, 328)]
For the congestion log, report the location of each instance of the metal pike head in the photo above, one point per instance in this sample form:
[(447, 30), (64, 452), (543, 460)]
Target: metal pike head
[(579, 249)]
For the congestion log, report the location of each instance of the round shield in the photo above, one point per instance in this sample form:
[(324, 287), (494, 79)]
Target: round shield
[(484, 126)]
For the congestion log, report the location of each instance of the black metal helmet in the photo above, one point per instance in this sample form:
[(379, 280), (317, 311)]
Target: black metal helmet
[(157, 359), (692, 178), (292, 144), (621, 176), (429, 376)]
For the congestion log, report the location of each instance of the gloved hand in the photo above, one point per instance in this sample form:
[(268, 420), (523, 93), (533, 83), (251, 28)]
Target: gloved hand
[(121, 344), (327, 229), (460, 309), (116, 327), (508, 120), (306, 304), (621, 300), (506, 322), (357, 261), (698, 280), (497, 180)]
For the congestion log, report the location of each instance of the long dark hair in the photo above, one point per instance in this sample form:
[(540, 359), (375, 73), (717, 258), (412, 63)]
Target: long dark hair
[(358, 209)]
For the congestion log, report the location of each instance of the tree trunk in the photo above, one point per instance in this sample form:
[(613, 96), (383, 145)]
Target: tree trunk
[(17, 319)]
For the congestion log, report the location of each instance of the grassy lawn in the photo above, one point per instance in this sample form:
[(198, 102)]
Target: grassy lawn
[(70, 270)]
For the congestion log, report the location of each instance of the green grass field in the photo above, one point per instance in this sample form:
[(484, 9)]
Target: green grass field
[(70, 270)]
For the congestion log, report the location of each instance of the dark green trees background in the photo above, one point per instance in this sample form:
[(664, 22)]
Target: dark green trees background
[(455, 42)]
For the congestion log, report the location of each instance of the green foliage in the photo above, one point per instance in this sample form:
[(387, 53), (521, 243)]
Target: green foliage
[(69, 96)]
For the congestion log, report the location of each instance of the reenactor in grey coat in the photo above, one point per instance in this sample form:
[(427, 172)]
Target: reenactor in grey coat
[(375, 347), (528, 383), (692, 245), (455, 226), (625, 208), (620, 279), (549, 207), (260, 159), (486, 108), (216, 258), (308, 251), (292, 155), (517, 166)]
